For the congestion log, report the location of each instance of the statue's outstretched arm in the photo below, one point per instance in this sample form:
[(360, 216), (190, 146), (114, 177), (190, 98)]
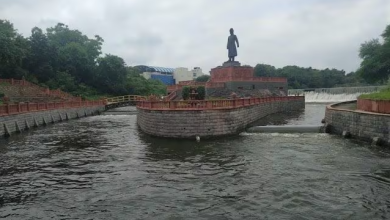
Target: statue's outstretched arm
[(227, 47), (238, 44)]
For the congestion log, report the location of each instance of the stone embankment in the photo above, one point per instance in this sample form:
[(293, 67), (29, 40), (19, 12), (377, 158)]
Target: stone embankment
[(360, 123), (205, 119), (20, 117)]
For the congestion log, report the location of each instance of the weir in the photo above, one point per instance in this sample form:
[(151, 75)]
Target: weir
[(337, 90), (331, 95)]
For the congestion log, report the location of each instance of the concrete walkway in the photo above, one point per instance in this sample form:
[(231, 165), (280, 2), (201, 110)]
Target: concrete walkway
[(347, 106)]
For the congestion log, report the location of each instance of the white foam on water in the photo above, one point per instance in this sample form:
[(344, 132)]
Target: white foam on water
[(316, 97)]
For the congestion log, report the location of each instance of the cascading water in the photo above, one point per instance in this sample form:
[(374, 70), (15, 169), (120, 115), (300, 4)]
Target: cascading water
[(322, 97), (331, 95)]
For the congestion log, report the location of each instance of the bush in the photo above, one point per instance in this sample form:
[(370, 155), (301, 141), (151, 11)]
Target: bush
[(186, 92), (201, 90)]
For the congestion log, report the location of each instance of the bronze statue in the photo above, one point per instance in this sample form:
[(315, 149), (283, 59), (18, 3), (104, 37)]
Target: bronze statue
[(231, 45)]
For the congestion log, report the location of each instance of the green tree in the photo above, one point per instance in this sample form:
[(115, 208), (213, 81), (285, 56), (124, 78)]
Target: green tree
[(203, 78), (112, 74), (186, 92), (13, 50), (201, 90), (69, 60), (265, 70), (375, 65)]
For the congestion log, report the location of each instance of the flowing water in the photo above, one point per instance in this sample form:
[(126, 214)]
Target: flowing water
[(103, 167)]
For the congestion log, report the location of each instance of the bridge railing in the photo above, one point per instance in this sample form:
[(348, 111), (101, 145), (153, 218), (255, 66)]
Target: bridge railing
[(126, 98), (12, 109), (210, 104)]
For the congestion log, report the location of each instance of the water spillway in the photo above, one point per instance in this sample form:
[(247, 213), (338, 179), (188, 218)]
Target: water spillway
[(316, 97), (331, 95)]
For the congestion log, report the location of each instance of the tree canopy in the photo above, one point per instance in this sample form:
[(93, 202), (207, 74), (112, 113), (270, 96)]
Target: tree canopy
[(302, 78), (61, 57), (203, 78), (67, 59), (375, 55)]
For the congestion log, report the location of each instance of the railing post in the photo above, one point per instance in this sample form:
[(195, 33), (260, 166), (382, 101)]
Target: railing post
[(209, 104), (28, 106), (46, 105), (18, 107), (172, 105), (8, 108)]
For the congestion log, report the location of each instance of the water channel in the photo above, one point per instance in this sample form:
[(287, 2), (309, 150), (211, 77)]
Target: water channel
[(103, 167)]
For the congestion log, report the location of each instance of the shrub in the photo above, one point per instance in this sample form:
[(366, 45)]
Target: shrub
[(201, 90), (186, 92)]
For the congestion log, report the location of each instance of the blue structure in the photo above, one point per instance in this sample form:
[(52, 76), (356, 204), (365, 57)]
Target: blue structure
[(166, 79), (162, 70), (165, 75)]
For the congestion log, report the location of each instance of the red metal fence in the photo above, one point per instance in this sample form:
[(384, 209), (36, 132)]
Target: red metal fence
[(12, 109), (377, 106), (211, 104)]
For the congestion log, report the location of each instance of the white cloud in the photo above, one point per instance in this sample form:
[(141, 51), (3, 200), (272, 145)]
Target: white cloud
[(320, 34)]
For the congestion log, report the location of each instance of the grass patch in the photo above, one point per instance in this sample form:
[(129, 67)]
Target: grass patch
[(382, 95)]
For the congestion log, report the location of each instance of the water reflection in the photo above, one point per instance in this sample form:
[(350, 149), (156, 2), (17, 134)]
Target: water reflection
[(311, 115), (103, 167)]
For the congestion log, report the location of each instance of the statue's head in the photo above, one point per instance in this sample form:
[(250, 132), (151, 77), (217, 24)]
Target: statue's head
[(231, 31)]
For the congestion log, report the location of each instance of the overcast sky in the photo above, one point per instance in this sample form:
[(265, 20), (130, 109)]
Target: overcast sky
[(189, 33)]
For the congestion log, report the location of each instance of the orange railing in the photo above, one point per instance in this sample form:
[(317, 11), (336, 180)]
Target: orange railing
[(12, 109), (211, 104), (377, 106), (125, 98)]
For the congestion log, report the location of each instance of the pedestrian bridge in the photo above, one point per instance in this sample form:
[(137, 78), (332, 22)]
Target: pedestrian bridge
[(122, 101)]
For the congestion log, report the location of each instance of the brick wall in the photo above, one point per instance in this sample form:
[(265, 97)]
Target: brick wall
[(12, 123), (208, 123), (361, 125), (272, 86)]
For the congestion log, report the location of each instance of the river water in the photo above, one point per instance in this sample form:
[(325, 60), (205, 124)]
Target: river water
[(103, 167)]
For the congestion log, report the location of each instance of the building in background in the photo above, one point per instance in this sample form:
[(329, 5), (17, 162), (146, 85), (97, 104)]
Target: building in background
[(169, 76)]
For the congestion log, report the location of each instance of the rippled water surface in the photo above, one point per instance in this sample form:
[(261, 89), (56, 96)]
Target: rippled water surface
[(103, 167)]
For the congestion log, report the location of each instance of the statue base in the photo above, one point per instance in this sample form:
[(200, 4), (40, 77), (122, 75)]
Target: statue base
[(231, 73), (231, 63)]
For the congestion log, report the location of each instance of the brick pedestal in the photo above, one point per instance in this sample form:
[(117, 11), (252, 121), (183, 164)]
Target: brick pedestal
[(232, 73)]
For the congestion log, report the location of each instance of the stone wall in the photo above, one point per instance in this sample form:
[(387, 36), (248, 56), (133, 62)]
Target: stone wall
[(19, 122), (358, 124), (209, 123), (271, 86)]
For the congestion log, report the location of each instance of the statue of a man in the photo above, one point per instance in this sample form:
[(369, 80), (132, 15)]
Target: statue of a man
[(231, 45)]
